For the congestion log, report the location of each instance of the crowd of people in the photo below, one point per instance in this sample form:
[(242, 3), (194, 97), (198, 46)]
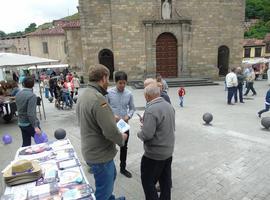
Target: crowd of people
[(62, 88)]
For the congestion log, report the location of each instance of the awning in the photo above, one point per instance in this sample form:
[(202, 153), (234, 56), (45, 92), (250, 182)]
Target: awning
[(17, 60), (48, 66)]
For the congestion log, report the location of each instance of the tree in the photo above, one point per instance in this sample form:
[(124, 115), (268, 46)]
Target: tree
[(32, 27), (2, 34)]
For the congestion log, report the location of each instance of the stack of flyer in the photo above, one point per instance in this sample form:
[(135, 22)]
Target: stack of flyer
[(62, 175)]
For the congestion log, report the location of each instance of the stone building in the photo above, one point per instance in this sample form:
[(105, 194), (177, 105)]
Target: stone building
[(49, 43), (15, 44), (74, 44), (176, 38)]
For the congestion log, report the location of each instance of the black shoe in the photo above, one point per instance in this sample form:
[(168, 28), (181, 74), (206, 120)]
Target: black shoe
[(230, 104), (242, 102), (259, 115), (126, 173), (254, 94)]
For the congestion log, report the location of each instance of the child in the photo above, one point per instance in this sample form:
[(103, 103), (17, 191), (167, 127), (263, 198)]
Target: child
[(267, 104), (181, 93)]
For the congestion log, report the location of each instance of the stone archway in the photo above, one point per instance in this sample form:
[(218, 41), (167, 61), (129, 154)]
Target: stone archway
[(166, 55), (223, 60), (106, 58)]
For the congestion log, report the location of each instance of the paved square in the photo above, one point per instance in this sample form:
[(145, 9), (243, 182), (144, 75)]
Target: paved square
[(229, 160)]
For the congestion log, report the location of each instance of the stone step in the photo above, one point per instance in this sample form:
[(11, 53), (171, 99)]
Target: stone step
[(176, 82)]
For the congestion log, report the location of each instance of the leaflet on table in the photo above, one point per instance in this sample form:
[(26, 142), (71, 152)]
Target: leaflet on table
[(34, 149), (46, 191), (20, 192), (122, 126), (76, 191), (59, 143), (69, 163), (58, 148), (64, 154), (50, 173), (71, 175)]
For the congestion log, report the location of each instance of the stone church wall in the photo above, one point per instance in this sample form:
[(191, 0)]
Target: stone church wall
[(119, 27)]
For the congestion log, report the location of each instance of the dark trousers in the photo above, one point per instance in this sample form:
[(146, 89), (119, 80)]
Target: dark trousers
[(231, 93), (52, 90), (27, 133), (267, 107), (153, 171), (249, 86), (123, 154), (240, 91)]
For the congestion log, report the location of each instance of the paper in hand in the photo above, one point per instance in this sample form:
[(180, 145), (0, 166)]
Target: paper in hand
[(122, 126)]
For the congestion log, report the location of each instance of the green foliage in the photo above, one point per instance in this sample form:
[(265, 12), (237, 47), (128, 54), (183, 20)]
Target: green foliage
[(76, 16), (45, 25), (31, 28), (258, 9), (2, 34), (259, 30)]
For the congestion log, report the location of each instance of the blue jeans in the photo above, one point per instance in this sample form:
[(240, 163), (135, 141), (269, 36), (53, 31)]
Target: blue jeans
[(47, 93), (181, 98), (104, 174), (267, 107)]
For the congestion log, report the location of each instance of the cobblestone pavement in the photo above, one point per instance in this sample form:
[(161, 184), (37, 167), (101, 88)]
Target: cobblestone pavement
[(229, 160)]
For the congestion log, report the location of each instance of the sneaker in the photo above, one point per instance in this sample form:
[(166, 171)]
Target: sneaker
[(254, 94), (242, 102), (126, 173), (259, 115)]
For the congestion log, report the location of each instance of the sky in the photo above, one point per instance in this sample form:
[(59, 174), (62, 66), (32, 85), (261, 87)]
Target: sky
[(16, 15)]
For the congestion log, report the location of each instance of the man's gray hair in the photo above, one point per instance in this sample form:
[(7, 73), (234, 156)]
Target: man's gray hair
[(149, 81), (152, 90)]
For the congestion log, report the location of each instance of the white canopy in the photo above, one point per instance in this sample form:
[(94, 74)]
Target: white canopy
[(255, 60), (49, 66), (17, 60)]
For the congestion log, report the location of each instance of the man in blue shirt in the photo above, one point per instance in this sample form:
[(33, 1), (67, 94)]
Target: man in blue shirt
[(122, 104)]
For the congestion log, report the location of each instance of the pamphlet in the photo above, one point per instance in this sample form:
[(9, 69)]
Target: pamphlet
[(122, 126)]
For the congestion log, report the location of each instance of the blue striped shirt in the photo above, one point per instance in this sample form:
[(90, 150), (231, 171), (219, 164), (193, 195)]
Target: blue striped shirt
[(122, 103)]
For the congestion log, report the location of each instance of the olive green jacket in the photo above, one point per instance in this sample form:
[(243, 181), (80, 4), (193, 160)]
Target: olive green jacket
[(99, 132)]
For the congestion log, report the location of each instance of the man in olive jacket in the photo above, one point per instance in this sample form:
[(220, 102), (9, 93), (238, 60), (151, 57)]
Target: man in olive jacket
[(99, 132)]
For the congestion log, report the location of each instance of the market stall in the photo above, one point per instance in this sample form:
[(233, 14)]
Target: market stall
[(56, 173), (18, 60)]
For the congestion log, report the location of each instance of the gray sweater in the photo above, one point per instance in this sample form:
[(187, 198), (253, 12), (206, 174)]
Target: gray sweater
[(26, 102), (158, 129)]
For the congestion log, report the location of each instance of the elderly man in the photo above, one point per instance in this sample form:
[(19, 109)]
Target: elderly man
[(99, 133), (157, 133), (231, 82)]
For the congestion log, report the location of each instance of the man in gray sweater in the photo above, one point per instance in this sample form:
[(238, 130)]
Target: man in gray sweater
[(26, 102), (157, 133), (99, 132)]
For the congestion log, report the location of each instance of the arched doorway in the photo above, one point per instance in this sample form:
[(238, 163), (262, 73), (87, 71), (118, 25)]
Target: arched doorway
[(166, 55), (223, 60), (105, 57)]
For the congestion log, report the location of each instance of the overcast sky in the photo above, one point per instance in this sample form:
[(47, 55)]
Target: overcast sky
[(16, 15)]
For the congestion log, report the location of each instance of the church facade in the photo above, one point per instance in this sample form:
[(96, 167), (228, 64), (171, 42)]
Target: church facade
[(176, 38)]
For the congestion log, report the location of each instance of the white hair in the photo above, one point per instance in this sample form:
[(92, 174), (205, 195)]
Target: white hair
[(149, 81), (152, 90)]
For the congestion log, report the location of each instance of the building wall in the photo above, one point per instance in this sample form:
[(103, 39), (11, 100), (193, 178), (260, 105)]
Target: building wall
[(119, 27), (252, 51), (21, 44), (56, 47), (74, 57), (214, 23)]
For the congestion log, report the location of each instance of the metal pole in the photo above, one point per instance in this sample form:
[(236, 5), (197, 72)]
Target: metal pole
[(40, 94)]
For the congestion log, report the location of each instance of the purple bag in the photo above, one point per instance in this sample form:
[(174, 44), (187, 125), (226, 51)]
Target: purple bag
[(40, 138)]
